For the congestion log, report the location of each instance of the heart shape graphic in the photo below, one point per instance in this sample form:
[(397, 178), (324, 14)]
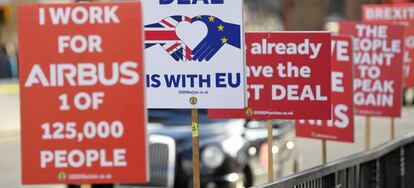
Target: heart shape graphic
[(191, 34)]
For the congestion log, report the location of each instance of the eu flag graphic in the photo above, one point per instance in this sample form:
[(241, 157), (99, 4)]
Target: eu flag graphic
[(219, 33)]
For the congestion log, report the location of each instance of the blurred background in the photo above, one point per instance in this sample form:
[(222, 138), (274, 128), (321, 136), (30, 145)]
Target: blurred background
[(260, 15)]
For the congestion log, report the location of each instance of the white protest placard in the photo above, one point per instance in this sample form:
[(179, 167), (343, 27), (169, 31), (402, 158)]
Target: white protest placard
[(195, 54)]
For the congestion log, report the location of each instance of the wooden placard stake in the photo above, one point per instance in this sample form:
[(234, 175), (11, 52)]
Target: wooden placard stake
[(324, 152), (196, 151), (392, 128), (367, 133), (269, 149)]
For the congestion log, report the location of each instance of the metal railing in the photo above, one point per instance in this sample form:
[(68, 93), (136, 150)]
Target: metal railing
[(390, 165)]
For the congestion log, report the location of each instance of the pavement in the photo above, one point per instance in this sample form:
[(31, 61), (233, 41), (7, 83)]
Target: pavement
[(9, 108), (10, 166), (380, 133)]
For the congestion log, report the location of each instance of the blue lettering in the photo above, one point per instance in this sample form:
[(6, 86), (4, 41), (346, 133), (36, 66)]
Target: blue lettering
[(220, 78), (165, 2), (192, 77), (194, 80), (204, 1), (147, 79), (217, 1), (183, 2), (155, 81), (183, 80), (206, 80), (238, 79), (172, 80)]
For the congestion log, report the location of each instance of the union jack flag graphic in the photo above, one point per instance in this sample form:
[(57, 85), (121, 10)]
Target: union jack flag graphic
[(163, 33)]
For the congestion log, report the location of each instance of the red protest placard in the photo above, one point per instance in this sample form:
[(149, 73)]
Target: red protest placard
[(401, 14), (288, 75), (341, 126), (378, 59), (82, 94)]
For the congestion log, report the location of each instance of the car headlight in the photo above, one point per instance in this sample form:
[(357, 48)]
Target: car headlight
[(212, 156), (290, 145)]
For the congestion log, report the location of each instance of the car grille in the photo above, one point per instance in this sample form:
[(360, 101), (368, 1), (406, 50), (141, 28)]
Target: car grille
[(162, 161)]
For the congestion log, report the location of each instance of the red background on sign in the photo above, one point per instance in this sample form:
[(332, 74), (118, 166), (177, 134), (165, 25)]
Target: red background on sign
[(120, 42), (320, 74), (409, 33), (394, 72), (324, 131)]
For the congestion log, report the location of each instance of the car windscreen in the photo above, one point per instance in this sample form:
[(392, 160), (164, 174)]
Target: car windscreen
[(176, 116)]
